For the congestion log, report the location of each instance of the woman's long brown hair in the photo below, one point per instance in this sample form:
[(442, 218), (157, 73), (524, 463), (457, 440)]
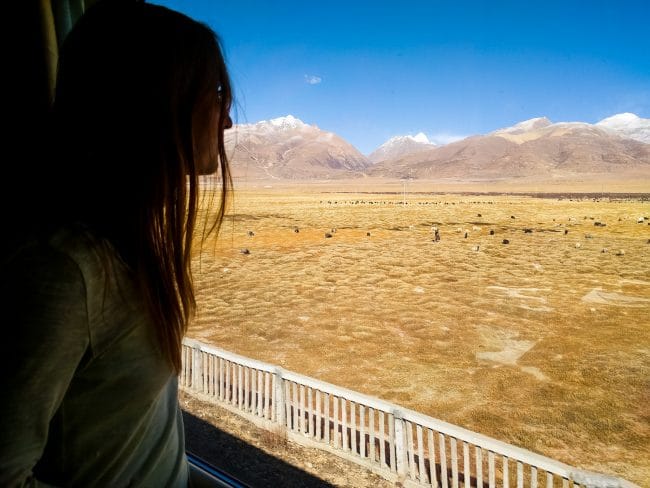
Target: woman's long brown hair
[(137, 86)]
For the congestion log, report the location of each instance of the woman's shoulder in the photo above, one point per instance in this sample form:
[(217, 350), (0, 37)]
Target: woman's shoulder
[(74, 256), (38, 280), (77, 241), (97, 258)]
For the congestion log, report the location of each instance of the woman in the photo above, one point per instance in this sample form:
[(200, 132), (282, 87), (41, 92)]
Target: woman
[(99, 295)]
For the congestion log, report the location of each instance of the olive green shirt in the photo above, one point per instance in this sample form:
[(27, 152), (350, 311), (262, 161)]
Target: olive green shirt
[(87, 398)]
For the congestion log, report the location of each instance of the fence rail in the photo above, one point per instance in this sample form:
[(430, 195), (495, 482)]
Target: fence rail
[(397, 443)]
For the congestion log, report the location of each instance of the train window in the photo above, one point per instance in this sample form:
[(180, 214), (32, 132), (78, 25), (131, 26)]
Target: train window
[(442, 207), (447, 208)]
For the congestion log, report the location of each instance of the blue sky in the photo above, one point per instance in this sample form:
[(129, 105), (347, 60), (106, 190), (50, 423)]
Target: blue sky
[(370, 70)]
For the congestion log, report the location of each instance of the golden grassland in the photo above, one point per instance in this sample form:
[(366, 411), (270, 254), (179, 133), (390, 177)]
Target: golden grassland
[(538, 342)]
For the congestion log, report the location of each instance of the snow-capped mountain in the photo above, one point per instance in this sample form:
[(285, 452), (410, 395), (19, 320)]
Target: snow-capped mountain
[(288, 148), (279, 124), (525, 126), (533, 148), (400, 146), (628, 125), (541, 127)]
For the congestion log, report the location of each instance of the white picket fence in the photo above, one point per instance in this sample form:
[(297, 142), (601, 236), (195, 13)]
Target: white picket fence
[(396, 443)]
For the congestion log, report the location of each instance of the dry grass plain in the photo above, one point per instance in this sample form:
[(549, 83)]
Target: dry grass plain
[(539, 343)]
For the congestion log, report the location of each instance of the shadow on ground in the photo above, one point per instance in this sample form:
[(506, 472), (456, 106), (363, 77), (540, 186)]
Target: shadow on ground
[(241, 460)]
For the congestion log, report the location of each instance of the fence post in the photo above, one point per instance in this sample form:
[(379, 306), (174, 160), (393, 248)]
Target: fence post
[(182, 378), (400, 445), (196, 367), (278, 398)]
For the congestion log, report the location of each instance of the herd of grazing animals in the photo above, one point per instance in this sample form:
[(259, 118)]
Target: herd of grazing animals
[(435, 230)]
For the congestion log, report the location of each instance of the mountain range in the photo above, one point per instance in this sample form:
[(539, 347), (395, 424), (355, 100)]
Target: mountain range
[(287, 148)]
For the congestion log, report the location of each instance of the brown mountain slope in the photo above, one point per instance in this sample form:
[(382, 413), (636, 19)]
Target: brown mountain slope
[(287, 148), (400, 146)]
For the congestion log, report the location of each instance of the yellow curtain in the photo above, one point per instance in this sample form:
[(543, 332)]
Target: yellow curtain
[(29, 71), (56, 18)]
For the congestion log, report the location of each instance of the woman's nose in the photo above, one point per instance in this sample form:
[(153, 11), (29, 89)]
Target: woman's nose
[(228, 123)]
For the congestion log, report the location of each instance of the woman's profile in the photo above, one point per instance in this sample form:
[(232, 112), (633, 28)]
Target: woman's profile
[(99, 292)]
